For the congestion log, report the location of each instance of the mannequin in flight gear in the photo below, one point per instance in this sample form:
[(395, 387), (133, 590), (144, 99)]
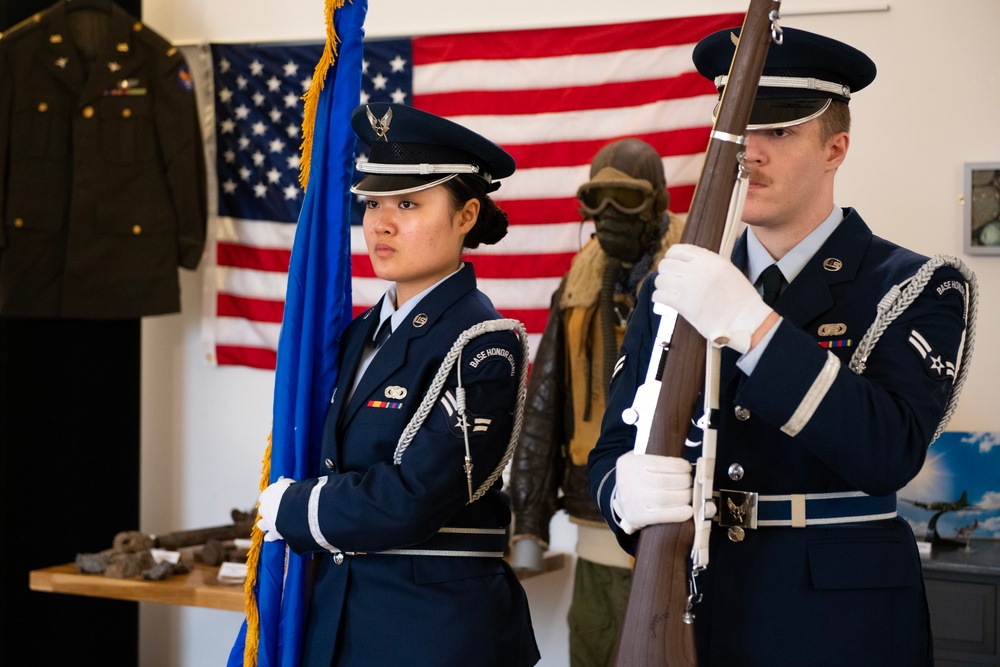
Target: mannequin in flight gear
[(627, 199)]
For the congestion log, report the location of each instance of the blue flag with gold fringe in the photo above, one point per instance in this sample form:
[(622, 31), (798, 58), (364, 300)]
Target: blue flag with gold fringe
[(317, 309)]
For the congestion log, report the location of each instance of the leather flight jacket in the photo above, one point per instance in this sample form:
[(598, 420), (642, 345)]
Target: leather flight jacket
[(549, 466)]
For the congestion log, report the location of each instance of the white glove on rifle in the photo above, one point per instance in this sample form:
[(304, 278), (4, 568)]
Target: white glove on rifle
[(651, 489), (711, 294), (267, 509)]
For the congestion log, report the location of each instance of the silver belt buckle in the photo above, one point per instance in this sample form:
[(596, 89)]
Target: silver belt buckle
[(737, 508)]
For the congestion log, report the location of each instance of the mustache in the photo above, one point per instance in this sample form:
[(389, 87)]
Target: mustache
[(758, 178)]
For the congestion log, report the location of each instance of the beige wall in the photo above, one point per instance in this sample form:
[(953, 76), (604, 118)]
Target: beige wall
[(931, 109)]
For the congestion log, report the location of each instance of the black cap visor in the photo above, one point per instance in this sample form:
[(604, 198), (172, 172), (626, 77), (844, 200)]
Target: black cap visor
[(768, 114), (775, 113), (397, 184)]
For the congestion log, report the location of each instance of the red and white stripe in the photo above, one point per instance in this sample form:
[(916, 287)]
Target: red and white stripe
[(552, 98)]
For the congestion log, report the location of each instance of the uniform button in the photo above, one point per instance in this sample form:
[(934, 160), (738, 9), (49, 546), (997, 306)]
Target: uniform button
[(338, 557), (330, 465), (88, 112), (736, 534), (736, 472), (43, 107), (19, 222), (126, 113), (742, 413), (137, 229)]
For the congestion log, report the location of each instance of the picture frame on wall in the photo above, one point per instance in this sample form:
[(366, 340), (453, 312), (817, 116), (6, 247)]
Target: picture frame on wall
[(982, 208), (954, 501)]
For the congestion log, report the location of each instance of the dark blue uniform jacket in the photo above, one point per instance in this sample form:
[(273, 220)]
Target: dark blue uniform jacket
[(369, 607), (846, 594)]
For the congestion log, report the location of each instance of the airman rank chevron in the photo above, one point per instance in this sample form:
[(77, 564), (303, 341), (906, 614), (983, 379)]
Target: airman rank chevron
[(458, 423), (619, 365), (935, 366)]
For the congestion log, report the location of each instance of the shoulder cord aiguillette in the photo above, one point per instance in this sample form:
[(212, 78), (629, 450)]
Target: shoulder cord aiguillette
[(434, 391), (899, 298)]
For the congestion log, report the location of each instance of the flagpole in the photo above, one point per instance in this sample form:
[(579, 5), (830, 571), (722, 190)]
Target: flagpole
[(317, 309)]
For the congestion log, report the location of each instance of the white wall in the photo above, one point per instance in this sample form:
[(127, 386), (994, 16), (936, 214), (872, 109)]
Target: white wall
[(931, 109)]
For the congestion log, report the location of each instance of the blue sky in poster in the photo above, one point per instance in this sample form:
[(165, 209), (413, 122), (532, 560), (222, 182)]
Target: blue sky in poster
[(958, 461)]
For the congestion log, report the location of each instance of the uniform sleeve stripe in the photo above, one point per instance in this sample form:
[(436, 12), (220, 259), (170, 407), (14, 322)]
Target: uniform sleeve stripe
[(600, 490), (317, 534), (812, 399)]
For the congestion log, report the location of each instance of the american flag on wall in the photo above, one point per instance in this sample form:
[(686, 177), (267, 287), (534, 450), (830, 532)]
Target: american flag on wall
[(551, 97)]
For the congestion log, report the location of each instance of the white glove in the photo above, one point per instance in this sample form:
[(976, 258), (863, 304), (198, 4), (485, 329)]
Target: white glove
[(267, 509), (711, 294), (651, 489)]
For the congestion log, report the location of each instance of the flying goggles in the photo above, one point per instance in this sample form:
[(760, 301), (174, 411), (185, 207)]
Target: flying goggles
[(611, 187)]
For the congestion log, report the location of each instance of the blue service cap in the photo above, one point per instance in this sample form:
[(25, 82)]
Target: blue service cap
[(414, 150), (801, 75)]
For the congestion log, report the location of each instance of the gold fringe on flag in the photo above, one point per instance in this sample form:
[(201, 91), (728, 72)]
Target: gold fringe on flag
[(253, 562), (311, 96)]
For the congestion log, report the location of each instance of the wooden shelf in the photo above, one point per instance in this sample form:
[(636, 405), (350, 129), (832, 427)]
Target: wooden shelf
[(195, 589), (198, 588)]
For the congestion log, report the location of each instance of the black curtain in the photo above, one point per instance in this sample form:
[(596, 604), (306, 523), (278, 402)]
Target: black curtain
[(13, 12), (69, 468)]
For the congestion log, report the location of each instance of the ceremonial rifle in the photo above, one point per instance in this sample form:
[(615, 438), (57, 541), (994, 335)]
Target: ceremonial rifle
[(658, 629)]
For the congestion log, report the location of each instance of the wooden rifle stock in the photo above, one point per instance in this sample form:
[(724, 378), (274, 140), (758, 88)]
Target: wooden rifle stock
[(654, 632)]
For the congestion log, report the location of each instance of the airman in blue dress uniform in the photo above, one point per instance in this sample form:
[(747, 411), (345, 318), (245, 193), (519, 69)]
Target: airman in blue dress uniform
[(407, 521), (822, 417)]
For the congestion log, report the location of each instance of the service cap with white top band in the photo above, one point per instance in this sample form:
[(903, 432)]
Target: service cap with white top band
[(802, 75), (412, 150)]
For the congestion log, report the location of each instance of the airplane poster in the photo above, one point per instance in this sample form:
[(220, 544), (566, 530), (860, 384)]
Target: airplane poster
[(957, 492)]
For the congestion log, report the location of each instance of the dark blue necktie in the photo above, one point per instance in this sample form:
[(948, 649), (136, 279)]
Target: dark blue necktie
[(772, 280), (383, 332)]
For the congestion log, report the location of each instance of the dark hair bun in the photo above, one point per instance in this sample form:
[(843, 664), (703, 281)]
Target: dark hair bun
[(491, 226)]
